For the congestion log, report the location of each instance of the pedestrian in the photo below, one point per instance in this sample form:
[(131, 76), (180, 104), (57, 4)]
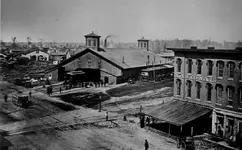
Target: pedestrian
[(5, 97), (60, 89), (106, 116), (30, 93), (146, 145)]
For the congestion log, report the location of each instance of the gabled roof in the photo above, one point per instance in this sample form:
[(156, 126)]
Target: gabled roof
[(121, 58), (92, 35), (32, 50), (143, 39)]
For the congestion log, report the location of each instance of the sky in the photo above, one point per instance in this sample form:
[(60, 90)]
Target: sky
[(127, 20)]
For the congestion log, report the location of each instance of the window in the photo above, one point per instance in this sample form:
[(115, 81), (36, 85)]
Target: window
[(178, 82), (94, 43), (220, 68), (209, 91), (230, 126), (219, 93), (189, 67), (210, 68), (89, 42), (198, 90), (179, 65), (240, 95), (141, 44), (144, 45), (240, 66), (89, 61), (189, 88), (199, 66), (99, 63), (240, 126), (230, 95), (231, 66)]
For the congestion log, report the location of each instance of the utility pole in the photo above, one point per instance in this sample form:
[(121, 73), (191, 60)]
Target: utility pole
[(100, 103), (140, 116)]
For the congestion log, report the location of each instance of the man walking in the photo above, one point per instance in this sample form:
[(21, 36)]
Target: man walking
[(146, 145), (106, 116)]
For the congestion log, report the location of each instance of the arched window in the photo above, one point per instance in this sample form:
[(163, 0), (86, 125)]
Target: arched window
[(209, 91), (199, 66), (178, 85), (220, 65), (219, 93), (179, 62), (189, 88), (198, 90), (94, 42), (210, 67), (240, 67), (240, 95), (230, 93), (189, 66), (231, 67)]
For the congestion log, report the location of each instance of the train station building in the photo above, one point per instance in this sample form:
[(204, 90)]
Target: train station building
[(111, 65)]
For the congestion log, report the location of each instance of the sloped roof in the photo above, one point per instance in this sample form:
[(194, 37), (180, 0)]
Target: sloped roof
[(131, 58), (122, 58), (92, 35), (179, 112)]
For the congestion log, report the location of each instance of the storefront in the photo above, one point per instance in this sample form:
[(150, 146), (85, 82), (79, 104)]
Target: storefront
[(226, 123)]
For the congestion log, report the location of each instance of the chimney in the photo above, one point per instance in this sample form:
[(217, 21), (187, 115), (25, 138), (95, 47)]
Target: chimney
[(105, 43), (123, 59)]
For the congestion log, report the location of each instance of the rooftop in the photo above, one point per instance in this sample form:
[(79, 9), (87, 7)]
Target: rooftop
[(92, 35), (208, 50), (143, 39)]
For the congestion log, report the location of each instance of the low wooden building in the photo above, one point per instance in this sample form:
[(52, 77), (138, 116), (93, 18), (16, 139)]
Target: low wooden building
[(112, 65), (36, 54)]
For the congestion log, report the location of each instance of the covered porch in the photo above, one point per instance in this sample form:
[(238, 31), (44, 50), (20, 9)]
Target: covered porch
[(180, 118)]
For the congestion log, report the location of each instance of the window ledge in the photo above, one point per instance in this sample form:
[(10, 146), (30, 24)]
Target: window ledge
[(218, 104), (240, 80), (210, 76), (199, 75), (230, 79), (209, 102), (197, 99), (240, 108), (220, 78)]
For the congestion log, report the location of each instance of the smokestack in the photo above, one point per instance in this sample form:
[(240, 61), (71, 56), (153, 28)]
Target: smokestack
[(105, 43)]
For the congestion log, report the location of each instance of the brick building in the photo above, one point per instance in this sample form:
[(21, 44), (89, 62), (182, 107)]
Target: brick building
[(211, 78)]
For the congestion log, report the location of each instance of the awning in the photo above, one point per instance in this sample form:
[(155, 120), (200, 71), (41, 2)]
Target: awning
[(179, 112), (169, 66), (154, 68)]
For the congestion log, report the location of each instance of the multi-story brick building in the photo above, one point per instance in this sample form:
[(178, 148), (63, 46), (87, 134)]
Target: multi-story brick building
[(211, 78)]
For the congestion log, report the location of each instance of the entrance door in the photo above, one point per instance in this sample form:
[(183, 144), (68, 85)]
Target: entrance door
[(61, 74)]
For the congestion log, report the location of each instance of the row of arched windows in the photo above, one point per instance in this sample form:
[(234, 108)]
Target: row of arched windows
[(220, 67), (218, 87)]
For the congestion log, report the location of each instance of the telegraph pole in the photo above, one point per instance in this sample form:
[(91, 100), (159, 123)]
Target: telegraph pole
[(100, 103)]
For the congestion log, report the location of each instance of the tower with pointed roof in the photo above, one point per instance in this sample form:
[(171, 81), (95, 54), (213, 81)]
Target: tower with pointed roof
[(92, 41), (143, 43)]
